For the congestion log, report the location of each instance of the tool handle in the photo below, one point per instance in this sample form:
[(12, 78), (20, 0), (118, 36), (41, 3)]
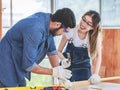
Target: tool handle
[(86, 82)]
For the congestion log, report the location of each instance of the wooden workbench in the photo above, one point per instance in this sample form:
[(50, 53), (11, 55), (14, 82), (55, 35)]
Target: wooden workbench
[(101, 86)]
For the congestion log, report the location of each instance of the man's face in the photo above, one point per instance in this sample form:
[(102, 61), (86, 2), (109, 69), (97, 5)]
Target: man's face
[(58, 31), (55, 31)]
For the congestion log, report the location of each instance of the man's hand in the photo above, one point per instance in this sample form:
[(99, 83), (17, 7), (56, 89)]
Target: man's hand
[(66, 82), (65, 63), (61, 73), (95, 79)]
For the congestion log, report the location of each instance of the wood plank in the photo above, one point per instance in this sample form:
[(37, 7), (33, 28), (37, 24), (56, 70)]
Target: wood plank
[(100, 86), (111, 52)]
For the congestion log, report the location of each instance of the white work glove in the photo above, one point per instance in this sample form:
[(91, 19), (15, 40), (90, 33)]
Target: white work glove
[(65, 63), (95, 79), (55, 81), (61, 73), (65, 82)]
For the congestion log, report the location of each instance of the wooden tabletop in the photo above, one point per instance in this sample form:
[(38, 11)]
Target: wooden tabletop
[(101, 86)]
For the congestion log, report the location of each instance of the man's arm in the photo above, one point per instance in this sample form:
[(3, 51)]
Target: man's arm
[(58, 72), (41, 70), (54, 60)]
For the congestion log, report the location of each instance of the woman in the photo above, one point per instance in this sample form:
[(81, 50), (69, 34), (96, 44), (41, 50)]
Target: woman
[(83, 46)]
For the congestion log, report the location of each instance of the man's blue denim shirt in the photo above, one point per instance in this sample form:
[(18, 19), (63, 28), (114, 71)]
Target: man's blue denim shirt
[(23, 46)]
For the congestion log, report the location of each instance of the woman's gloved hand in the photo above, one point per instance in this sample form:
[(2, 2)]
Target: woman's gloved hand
[(95, 79), (65, 63)]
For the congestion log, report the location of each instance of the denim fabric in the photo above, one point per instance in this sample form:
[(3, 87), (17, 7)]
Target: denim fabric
[(1, 85), (80, 62), (80, 74), (78, 54), (22, 83), (24, 45)]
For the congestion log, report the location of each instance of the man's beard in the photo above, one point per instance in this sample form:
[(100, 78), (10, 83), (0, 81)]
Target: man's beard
[(54, 31)]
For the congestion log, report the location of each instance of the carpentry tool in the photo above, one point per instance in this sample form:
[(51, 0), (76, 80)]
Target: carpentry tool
[(87, 82), (55, 88)]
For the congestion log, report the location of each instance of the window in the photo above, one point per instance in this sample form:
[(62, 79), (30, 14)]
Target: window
[(6, 19), (78, 6), (110, 13), (14, 10), (24, 8)]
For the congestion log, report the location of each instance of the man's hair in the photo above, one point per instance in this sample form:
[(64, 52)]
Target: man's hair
[(65, 16)]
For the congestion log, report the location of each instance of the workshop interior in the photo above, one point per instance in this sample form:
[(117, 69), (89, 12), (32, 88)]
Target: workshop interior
[(11, 11)]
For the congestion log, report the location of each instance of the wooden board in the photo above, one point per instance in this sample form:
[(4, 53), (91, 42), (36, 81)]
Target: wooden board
[(111, 54), (101, 86)]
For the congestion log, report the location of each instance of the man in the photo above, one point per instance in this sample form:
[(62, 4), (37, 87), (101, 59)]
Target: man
[(25, 45)]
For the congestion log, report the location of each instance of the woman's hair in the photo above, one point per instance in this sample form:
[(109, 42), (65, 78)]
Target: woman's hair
[(93, 34)]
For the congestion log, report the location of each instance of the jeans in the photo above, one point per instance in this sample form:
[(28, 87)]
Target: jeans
[(80, 62), (80, 74)]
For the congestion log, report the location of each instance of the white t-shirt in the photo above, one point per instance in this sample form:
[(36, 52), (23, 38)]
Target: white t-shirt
[(73, 34)]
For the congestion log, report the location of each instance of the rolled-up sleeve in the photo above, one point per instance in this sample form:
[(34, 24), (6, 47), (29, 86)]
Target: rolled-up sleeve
[(29, 68)]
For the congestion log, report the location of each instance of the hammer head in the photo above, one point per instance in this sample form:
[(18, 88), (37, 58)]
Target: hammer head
[(67, 56)]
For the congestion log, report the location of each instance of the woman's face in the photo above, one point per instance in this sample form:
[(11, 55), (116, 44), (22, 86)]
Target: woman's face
[(86, 23)]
